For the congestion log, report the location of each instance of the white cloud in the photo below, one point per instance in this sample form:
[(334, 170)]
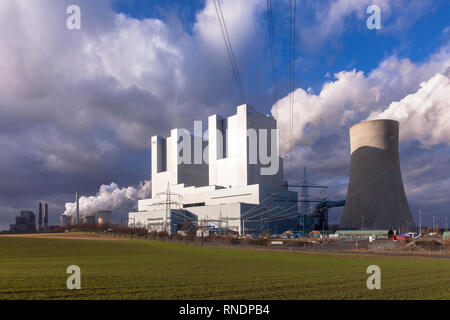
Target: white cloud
[(425, 114), (79, 105), (241, 22), (117, 76)]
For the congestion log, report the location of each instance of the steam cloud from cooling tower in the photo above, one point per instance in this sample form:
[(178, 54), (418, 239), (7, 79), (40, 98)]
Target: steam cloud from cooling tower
[(109, 197)]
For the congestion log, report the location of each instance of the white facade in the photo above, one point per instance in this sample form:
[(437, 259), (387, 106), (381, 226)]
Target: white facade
[(232, 191), (165, 167)]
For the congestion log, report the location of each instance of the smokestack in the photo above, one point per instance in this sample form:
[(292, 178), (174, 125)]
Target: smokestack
[(40, 217), (78, 208), (46, 216)]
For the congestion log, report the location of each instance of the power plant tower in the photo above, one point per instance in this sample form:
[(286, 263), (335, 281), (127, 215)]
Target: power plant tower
[(77, 219), (376, 198), (46, 216), (40, 217)]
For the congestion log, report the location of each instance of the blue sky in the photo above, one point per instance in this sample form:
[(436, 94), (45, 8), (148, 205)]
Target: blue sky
[(184, 10), (77, 108)]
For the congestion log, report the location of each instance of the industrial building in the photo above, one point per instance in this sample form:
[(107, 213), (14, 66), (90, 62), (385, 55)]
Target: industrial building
[(376, 198), (25, 222), (229, 193)]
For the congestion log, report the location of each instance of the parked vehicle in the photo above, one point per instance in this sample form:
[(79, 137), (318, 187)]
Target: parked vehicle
[(401, 237)]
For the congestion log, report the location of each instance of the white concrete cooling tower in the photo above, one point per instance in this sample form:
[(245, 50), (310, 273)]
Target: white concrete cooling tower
[(375, 197)]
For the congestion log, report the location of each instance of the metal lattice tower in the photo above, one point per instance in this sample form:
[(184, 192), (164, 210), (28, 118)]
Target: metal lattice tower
[(305, 198), (170, 206), (304, 194)]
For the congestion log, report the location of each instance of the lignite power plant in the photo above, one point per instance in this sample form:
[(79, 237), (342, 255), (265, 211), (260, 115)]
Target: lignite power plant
[(26, 221), (230, 194)]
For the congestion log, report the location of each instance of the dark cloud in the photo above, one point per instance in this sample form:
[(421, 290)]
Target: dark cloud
[(78, 107)]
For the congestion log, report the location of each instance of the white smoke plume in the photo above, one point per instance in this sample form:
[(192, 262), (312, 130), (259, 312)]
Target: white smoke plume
[(110, 197), (427, 112)]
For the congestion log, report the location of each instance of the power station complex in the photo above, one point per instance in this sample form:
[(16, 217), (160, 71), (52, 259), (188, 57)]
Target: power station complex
[(232, 192), (229, 192), (102, 217)]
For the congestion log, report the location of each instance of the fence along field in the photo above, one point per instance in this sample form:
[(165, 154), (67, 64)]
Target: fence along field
[(35, 268)]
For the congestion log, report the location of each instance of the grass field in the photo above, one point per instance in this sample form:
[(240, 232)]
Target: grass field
[(36, 269)]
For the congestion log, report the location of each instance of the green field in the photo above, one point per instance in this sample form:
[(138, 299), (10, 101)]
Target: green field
[(36, 269)]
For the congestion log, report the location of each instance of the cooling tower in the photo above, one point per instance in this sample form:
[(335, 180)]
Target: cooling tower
[(89, 220), (104, 217), (375, 198), (65, 220)]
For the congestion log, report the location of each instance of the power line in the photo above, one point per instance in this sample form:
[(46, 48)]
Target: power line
[(292, 20), (284, 212), (272, 54), (226, 38), (427, 97), (256, 207), (293, 75), (422, 72)]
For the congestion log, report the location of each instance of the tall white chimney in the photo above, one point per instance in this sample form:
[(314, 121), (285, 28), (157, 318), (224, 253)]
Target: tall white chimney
[(78, 208)]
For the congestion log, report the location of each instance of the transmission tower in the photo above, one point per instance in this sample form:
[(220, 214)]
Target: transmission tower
[(167, 204), (304, 196), (305, 199)]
